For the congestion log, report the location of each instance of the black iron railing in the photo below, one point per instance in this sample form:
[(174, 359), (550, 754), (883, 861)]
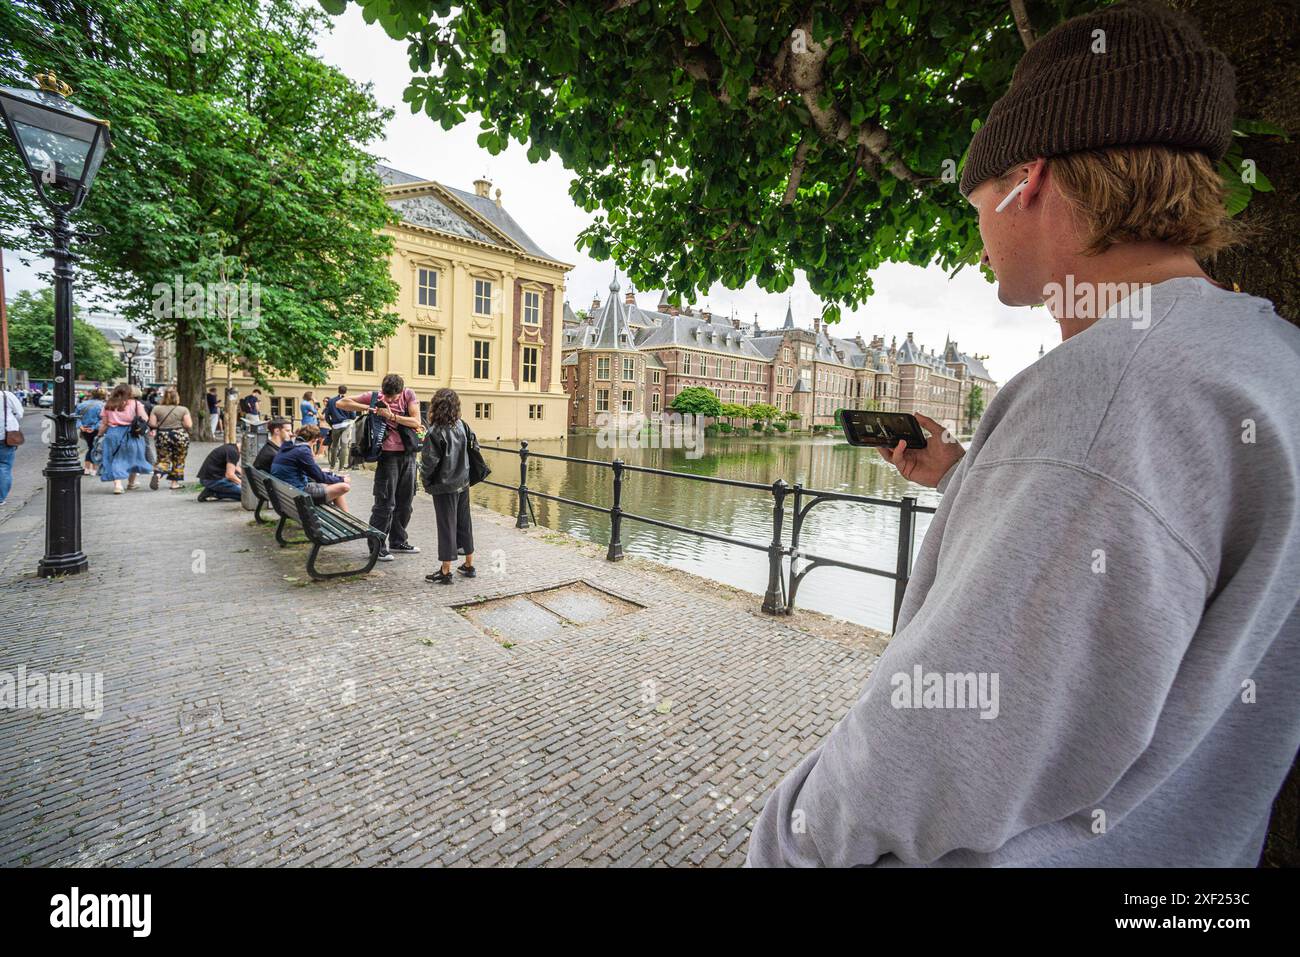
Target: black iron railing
[(782, 583)]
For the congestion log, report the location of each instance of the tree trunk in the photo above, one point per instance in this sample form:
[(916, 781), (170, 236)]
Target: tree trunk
[(1260, 38), (191, 377)]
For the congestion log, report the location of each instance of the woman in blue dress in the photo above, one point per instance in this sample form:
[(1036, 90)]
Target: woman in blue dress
[(88, 413), (123, 455), (310, 416)]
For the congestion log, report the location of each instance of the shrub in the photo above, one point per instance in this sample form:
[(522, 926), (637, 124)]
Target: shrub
[(724, 426), (781, 426)]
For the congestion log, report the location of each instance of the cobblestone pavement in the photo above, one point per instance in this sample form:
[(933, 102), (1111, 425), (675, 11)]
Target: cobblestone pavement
[(253, 717)]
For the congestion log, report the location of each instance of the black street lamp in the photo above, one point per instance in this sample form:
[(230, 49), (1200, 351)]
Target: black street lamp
[(130, 346), (62, 146)]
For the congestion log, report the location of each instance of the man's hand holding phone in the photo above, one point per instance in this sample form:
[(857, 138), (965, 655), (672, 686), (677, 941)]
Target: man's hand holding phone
[(929, 465)]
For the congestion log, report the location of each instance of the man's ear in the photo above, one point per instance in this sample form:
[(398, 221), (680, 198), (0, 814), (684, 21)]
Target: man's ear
[(1036, 173)]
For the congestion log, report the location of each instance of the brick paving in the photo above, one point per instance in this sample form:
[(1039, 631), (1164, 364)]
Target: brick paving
[(253, 717)]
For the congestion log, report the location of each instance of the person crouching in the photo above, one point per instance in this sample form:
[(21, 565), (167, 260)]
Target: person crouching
[(444, 472), (295, 465)]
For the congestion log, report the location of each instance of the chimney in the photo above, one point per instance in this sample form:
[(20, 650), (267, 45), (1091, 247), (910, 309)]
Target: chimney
[(628, 297), (909, 337), (735, 323), (860, 342), (595, 301), (673, 310), (817, 326), (706, 316), (481, 186)]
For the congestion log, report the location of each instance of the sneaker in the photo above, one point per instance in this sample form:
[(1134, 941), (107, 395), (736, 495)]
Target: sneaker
[(205, 496), (385, 556), (406, 548), (469, 571), (440, 578)]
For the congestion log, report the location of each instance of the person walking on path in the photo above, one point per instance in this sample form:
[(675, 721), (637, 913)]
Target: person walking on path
[(296, 465), (395, 470), (122, 439), (11, 417), (310, 415), (1113, 574), (172, 423), (444, 473), (88, 413), (214, 413), (339, 437)]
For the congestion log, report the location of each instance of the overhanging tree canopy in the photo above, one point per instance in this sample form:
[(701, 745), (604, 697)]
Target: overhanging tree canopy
[(720, 141)]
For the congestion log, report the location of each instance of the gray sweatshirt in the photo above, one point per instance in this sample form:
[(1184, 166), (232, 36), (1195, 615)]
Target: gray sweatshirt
[(1097, 661)]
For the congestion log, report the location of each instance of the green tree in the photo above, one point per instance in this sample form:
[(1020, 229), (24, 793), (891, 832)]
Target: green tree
[(31, 340), (697, 400), (763, 412), (235, 150), (845, 123), (974, 406)]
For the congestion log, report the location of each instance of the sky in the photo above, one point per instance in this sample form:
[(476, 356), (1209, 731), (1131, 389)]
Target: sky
[(923, 301)]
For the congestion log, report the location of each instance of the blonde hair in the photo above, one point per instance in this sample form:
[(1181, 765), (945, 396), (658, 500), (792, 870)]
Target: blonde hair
[(171, 396), (1129, 194)]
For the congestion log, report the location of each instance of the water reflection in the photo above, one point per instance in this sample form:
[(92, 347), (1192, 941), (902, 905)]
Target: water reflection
[(863, 534)]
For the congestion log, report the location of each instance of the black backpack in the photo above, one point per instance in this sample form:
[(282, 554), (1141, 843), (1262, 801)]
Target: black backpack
[(368, 436)]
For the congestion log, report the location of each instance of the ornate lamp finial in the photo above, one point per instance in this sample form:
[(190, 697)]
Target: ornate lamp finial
[(52, 84)]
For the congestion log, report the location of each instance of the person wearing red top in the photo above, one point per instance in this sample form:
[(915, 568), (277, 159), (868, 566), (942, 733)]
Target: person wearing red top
[(396, 469)]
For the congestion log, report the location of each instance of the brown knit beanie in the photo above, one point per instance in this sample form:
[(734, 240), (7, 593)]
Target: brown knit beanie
[(1156, 83)]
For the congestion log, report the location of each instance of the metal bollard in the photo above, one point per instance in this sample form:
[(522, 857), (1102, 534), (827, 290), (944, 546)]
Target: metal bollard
[(254, 439)]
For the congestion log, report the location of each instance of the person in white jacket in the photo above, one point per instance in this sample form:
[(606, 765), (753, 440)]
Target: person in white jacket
[(13, 424)]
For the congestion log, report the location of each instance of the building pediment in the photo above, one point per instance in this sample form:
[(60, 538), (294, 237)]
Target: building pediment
[(432, 213)]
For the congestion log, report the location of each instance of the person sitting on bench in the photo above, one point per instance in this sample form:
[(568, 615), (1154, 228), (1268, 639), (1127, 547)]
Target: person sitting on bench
[(278, 431), (295, 465)]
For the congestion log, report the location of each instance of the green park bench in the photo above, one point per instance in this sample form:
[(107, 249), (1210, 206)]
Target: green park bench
[(322, 525)]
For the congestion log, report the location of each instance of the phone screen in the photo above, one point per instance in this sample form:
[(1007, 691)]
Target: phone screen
[(881, 429)]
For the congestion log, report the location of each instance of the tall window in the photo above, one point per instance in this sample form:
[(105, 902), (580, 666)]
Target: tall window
[(483, 297), (530, 364), (732, 373), (686, 363), (532, 307), (654, 376), (654, 402), (602, 367), (427, 287), (627, 400), (629, 368), (482, 359), (717, 368), (426, 354), (363, 360), (602, 400)]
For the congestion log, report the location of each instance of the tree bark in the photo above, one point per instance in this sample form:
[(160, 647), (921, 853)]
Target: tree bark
[(191, 376), (1260, 38)]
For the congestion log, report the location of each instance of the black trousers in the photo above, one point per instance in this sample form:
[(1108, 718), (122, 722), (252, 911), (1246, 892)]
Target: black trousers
[(394, 494), (454, 527)]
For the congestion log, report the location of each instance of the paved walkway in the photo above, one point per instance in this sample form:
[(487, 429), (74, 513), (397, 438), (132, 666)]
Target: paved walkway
[(637, 716)]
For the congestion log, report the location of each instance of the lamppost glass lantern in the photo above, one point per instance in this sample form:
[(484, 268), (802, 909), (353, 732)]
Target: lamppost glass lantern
[(130, 344), (60, 143), (62, 147)]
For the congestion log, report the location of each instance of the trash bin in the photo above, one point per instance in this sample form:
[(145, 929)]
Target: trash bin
[(254, 439)]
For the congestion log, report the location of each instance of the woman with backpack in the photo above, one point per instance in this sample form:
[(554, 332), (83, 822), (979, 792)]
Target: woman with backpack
[(172, 423), (122, 430), (445, 474)]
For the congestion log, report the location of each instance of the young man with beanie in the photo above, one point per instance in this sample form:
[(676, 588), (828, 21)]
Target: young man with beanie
[(1097, 661)]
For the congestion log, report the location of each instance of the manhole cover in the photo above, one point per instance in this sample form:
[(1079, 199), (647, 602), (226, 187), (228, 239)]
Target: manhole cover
[(544, 613)]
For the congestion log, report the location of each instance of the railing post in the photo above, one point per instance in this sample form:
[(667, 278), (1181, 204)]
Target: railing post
[(796, 526), (903, 568), (772, 603), (521, 520), (615, 552)]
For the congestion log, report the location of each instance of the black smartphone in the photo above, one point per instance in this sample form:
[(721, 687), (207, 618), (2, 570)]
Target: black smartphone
[(881, 429)]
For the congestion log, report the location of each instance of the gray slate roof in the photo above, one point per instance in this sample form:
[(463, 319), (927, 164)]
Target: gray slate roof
[(695, 333), (426, 211)]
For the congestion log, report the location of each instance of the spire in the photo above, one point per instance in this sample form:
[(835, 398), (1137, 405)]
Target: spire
[(789, 315), (612, 329), (1040, 350)]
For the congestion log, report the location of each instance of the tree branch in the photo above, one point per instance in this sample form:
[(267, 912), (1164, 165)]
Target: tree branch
[(796, 171), (1022, 23)]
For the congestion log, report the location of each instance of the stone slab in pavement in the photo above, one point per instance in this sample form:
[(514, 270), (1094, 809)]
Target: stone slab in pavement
[(254, 717)]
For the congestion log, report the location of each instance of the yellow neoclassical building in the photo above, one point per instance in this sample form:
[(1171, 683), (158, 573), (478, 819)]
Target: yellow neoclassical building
[(480, 306)]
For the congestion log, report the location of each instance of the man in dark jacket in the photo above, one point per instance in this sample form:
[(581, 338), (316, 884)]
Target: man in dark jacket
[(444, 473), (277, 433), (295, 465)]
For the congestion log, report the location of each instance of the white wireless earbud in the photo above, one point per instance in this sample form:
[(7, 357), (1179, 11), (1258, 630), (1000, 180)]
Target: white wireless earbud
[(1006, 200)]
